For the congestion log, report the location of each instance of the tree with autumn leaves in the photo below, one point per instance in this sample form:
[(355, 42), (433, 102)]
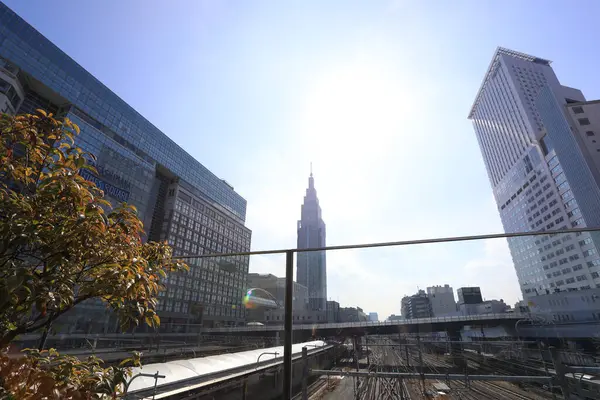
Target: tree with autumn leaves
[(61, 244)]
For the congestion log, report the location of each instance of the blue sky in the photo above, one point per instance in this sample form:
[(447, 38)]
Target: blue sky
[(374, 93)]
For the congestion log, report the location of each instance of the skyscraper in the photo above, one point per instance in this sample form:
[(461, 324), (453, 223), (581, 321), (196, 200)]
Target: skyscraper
[(312, 266), (543, 167), (177, 198)]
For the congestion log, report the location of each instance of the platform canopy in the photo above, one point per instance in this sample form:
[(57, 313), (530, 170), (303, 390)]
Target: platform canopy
[(204, 366)]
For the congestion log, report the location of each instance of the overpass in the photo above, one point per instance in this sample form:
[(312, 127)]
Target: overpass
[(451, 325)]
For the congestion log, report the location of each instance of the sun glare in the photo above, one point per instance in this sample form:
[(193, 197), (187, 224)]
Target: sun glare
[(353, 109)]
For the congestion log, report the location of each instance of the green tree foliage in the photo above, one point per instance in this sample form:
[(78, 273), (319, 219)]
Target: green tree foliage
[(61, 243)]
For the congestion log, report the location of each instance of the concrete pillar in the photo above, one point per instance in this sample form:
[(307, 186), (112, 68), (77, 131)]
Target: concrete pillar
[(277, 339)]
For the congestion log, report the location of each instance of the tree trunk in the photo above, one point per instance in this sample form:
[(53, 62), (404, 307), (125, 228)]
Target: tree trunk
[(45, 333)]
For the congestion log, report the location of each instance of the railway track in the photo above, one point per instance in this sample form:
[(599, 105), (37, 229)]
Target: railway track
[(312, 389), (406, 358), (512, 394)]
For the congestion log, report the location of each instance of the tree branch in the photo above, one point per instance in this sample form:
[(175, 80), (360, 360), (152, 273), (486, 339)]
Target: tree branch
[(54, 315)]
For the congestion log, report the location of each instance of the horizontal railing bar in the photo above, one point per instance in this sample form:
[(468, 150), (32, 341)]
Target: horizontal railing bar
[(396, 243), (582, 369), (409, 375), (478, 343)]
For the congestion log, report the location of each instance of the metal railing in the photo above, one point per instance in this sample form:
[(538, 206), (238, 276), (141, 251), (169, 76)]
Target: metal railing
[(289, 274), (289, 268)]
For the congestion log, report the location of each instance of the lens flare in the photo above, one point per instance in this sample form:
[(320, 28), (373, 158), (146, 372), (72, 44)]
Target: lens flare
[(246, 300)]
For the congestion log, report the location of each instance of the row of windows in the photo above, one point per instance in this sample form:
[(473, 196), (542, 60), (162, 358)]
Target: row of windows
[(500, 126), (208, 281), (212, 220), (222, 298), (11, 94), (555, 287), (296, 317), (530, 82), (194, 229), (183, 307)]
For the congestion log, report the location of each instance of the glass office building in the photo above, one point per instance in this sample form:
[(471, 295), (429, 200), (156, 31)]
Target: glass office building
[(178, 198), (540, 175)]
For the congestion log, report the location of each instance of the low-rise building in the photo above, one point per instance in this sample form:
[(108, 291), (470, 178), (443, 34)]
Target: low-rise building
[(521, 306), (469, 295), (485, 307), (333, 311), (395, 317), (417, 306), (442, 300), (404, 306), (567, 306), (352, 314)]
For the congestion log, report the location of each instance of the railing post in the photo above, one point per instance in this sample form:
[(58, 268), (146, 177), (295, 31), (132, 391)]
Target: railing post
[(356, 379), (287, 343), (421, 363), (539, 345), (560, 369), (304, 373), (367, 349), (244, 388)]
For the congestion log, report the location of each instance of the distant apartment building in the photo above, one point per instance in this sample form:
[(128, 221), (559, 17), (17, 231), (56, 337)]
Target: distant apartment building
[(404, 306), (521, 306), (333, 311), (485, 307), (178, 199), (352, 314), (416, 306), (442, 300), (373, 317), (395, 317), (539, 142), (469, 295)]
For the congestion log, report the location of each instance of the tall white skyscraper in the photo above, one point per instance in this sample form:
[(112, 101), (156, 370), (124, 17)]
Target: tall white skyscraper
[(312, 266), (543, 170)]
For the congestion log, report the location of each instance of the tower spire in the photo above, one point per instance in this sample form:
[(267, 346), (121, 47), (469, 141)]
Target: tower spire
[(311, 168)]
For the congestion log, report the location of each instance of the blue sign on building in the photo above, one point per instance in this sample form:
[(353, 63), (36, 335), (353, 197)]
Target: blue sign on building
[(107, 188)]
